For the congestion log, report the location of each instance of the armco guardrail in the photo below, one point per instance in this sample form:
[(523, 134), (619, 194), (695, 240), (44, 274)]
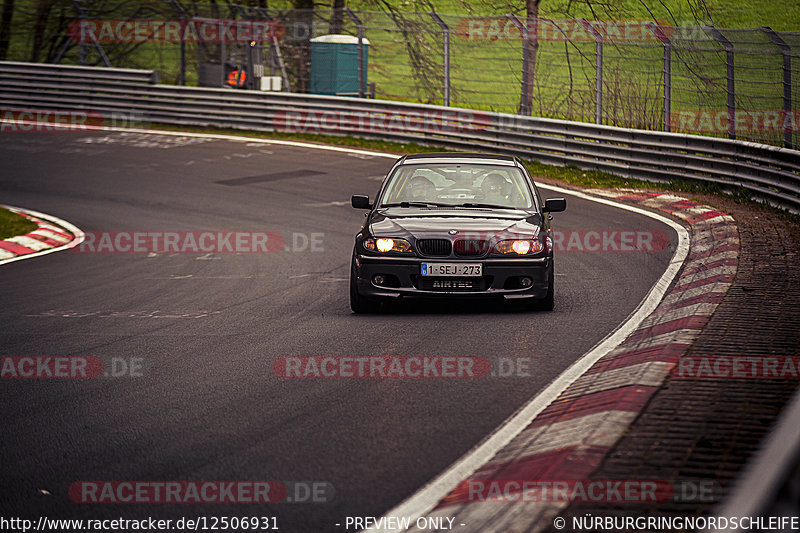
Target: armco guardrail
[(769, 173), (45, 72)]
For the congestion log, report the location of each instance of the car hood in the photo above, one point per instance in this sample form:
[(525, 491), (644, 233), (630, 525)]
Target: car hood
[(400, 222)]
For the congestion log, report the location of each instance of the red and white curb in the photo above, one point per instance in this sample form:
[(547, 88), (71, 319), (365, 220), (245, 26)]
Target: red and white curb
[(569, 434), (51, 235)]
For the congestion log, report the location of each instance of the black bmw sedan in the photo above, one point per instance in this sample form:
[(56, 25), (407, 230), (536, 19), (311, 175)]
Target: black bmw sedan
[(454, 225)]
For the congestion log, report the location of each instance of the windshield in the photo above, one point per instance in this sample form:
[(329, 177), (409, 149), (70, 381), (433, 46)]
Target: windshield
[(462, 184)]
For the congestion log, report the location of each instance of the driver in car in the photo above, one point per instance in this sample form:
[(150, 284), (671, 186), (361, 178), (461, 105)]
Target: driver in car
[(494, 189), (421, 189)]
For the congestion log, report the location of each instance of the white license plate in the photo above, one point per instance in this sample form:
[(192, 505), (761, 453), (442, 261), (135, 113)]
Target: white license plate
[(452, 269)]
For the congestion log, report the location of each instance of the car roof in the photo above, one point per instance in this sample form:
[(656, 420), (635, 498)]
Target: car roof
[(454, 157)]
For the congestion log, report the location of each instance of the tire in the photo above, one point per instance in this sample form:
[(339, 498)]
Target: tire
[(360, 304), (547, 303)]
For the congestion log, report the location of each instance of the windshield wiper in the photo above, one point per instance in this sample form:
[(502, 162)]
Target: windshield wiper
[(488, 206), (414, 204)]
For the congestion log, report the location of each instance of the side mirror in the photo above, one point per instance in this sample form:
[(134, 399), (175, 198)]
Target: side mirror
[(555, 205), (359, 201)]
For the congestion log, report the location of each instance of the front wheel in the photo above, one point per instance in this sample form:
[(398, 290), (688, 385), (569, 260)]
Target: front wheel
[(360, 304), (547, 303)]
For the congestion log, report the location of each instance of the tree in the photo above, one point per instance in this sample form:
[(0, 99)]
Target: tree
[(5, 27), (336, 17), (304, 18), (532, 49), (424, 63)]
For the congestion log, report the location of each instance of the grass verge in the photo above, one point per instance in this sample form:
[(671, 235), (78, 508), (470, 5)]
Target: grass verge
[(12, 224)]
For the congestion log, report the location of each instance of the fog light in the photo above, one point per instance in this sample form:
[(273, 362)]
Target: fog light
[(525, 282), (379, 279)]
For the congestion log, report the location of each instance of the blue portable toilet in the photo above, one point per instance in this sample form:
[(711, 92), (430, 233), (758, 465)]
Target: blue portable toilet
[(334, 65)]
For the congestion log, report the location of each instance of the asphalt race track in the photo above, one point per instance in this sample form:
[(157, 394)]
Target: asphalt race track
[(206, 329)]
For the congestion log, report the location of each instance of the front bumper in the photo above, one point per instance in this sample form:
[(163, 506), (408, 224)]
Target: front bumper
[(501, 278)]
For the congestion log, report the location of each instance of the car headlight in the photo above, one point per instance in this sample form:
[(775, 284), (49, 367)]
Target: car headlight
[(518, 247), (386, 245)]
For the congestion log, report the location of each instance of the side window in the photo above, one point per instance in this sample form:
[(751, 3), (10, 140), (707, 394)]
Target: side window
[(538, 196)]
